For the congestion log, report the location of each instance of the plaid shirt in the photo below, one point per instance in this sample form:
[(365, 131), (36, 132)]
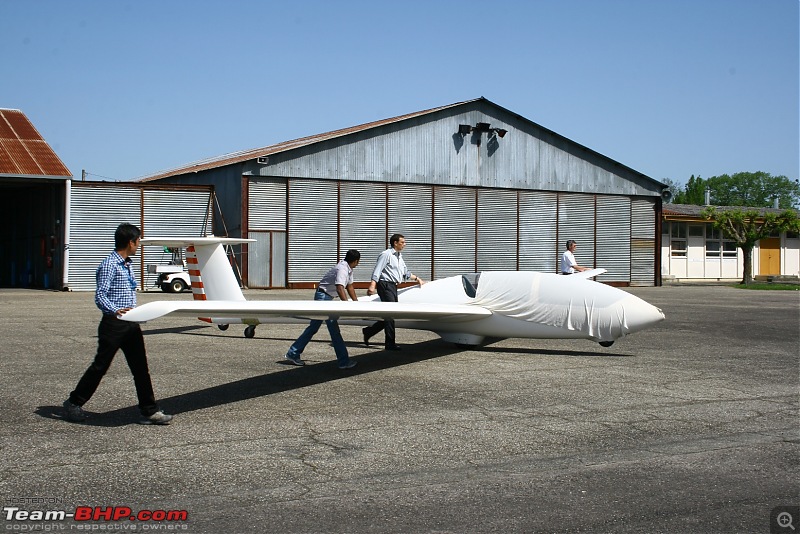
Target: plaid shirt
[(116, 285)]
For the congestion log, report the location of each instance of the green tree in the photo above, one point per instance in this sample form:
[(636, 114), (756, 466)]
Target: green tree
[(753, 189), (693, 193), (747, 226)]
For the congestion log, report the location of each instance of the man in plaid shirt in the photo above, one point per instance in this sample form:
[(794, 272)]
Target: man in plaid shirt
[(115, 295)]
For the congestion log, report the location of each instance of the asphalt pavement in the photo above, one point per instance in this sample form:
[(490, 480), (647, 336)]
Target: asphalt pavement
[(691, 426)]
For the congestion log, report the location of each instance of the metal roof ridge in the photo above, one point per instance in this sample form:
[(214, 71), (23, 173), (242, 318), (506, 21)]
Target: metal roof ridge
[(243, 155)]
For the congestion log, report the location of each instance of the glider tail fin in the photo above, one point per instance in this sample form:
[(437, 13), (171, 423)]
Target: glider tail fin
[(210, 270)]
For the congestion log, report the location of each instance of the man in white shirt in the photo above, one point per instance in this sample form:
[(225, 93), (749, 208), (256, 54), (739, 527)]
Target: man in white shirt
[(569, 264), (389, 271)]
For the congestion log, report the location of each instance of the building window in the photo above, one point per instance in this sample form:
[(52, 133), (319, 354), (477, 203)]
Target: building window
[(678, 239), (717, 245), (792, 235), (696, 230)]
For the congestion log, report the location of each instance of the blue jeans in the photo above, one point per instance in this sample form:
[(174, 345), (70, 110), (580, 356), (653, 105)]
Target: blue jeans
[(333, 328)]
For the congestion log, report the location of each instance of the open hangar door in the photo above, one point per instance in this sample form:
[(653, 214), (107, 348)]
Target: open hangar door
[(32, 233)]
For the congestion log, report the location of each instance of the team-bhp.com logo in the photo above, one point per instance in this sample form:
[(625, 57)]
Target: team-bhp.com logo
[(95, 513)]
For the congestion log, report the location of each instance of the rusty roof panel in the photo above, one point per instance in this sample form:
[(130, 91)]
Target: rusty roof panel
[(7, 165), (23, 151), (6, 132), (20, 156), (45, 157), (21, 126)]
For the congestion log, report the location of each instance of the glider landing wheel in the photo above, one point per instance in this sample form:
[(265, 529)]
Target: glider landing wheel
[(606, 343), (223, 327), (250, 331)]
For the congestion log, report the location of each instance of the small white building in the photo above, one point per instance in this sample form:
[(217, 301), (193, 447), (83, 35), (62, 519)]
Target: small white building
[(692, 249)]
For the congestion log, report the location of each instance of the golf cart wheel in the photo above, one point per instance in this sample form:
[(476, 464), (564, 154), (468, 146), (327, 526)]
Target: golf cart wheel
[(250, 331), (177, 285)]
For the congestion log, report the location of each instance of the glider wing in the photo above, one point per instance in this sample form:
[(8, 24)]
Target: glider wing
[(306, 309)]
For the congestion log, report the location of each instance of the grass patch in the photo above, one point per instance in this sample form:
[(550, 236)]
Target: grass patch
[(766, 286)]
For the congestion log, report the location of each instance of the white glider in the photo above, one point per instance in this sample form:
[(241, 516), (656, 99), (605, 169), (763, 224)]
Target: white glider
[(464, 309)]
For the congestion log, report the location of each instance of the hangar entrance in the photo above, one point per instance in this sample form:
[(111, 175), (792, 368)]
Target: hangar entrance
[(31, 233)]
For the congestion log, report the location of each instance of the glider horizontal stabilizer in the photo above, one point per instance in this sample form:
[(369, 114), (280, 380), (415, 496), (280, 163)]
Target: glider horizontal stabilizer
[(193, 241), (591, 273)]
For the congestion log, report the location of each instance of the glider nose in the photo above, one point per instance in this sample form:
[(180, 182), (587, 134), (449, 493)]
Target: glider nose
[(640, 314)]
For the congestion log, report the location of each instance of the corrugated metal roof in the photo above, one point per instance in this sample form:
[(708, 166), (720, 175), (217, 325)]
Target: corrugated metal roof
[(238, 157), (23, 151)]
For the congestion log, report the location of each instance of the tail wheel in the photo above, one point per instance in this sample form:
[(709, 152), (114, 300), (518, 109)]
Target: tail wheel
[(606, 343), (223, 327), (250, 331)]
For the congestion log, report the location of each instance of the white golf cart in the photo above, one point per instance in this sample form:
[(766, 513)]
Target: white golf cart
[(172, 277)]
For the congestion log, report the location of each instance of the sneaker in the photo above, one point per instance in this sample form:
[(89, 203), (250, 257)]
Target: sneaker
[(349, 365), (295, 360), (158, 418), (73, 412)]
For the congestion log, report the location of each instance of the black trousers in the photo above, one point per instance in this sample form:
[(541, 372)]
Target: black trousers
[(387, 292), (114, 334)]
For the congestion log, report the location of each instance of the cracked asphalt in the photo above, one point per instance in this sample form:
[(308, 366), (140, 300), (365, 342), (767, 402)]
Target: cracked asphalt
[(691, 426)]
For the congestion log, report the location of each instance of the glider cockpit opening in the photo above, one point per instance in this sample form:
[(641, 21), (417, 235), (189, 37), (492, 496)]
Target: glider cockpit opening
[(470, 283)]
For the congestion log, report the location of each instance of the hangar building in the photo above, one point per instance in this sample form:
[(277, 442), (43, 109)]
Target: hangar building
[(472, 186)]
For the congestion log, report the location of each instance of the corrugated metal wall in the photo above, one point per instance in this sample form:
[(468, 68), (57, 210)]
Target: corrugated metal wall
[(643, 239), (172, 213), (576, 220), (497, 230), (267, 206), (410, 209), (97, 209), (456, 230), (614, 237), (362, 214), (538, 250), (95, 212), (313, 228), (266, 222)]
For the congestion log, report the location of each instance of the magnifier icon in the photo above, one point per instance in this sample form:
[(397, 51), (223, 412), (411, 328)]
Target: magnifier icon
[(785, 520)]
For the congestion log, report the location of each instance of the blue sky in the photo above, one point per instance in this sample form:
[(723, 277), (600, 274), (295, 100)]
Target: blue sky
[(670, 88)]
